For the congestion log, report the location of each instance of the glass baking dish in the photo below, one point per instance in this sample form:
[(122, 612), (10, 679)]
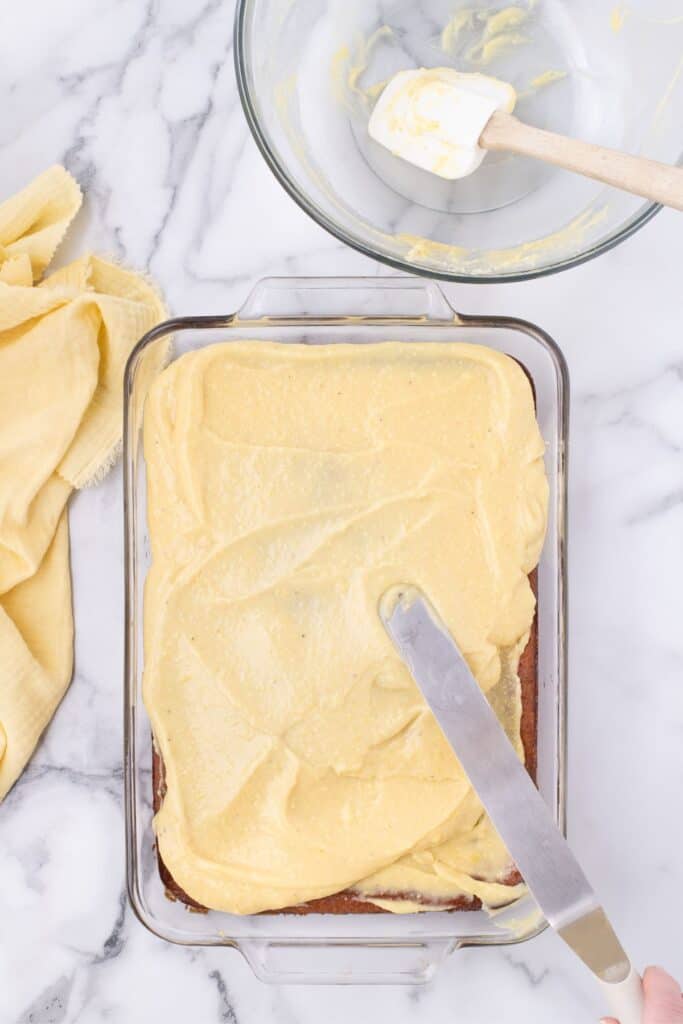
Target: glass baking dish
[(323, 948)]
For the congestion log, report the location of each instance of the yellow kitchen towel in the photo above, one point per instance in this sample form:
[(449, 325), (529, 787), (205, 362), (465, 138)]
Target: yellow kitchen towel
[(64, 342)]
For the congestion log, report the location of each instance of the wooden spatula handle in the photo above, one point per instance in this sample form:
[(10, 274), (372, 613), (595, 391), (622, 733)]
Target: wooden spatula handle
[(648, 178)]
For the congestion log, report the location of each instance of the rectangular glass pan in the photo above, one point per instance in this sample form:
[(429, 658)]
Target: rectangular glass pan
[(379, 948)]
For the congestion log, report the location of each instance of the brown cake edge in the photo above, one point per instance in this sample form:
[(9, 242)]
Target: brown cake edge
[(348, 902)]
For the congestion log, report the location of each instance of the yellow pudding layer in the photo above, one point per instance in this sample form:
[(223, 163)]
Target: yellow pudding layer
[(289, 486)]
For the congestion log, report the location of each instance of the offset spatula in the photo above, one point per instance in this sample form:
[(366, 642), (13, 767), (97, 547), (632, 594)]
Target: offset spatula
[(513, 803)]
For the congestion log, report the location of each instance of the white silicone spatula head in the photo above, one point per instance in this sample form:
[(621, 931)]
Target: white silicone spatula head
[(443, 121)]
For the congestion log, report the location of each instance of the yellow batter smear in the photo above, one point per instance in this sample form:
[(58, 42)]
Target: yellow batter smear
[(547, 78), (499, 33), (504, 21), (621, 12), (542, 81), (486, 52), (452, 32), (617, 18), (349, 65), (457, 259), (424, 249), (289, 486)]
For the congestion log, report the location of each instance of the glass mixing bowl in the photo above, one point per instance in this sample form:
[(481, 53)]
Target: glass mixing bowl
[(309, 72)]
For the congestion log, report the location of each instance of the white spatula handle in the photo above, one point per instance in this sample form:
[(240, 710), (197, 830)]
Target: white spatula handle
[(625, 998), (648, 178)]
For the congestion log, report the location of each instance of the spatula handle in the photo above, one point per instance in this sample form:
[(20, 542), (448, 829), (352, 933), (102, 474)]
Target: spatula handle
[(625, 998), (648, 178)]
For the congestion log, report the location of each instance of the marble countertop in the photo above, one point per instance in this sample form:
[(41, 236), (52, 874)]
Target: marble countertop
[(137, 98)]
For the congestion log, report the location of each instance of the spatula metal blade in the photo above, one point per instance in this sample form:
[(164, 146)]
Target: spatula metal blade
[(515, 806)]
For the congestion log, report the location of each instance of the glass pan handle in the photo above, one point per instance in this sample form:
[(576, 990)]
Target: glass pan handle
[(345, 963), (341, 298)]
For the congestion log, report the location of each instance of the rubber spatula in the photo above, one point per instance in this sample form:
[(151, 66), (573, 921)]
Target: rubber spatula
[(513, 803), (647, 178)]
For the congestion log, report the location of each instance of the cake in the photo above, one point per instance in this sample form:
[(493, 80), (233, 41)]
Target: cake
[(289, 487)]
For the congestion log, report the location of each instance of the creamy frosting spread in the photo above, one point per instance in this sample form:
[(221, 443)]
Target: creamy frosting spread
[(289, 486)]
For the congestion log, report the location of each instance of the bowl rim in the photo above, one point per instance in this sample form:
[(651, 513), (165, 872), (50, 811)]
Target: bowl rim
[(279, 169)]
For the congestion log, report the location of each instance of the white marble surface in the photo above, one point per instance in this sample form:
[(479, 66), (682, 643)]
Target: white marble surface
[(137, 97)]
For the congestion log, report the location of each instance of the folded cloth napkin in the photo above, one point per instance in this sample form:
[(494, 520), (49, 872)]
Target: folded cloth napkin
[(63, 346)]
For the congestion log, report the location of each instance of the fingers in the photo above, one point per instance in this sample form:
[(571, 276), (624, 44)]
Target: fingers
[(663, 1000), (608, 1020)]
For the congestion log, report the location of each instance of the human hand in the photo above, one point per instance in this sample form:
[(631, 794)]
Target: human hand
[(663, 999)]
